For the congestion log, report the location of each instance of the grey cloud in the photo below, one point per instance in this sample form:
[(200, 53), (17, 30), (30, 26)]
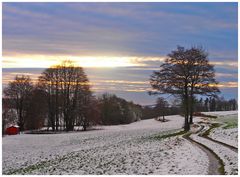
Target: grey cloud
[(72, 31)]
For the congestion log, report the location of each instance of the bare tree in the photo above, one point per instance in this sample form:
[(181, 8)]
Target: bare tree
[(67, 86), (184, 73), (48, 83), (162, 106), (202, 81), (173, 78), (19, 91), (36, 113), (89, 114)]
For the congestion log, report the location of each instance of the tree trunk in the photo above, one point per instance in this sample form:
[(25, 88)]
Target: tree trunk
[(84, 127), (186, 124), (21, 122), (56, 110), (52, 119), (85, 124), (21, 118), (191, 106), (191, 110), (186, 105)]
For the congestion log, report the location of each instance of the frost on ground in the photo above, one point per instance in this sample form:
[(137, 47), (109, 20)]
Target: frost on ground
[(124, 149), (228, 132), (221, 113), (229, 157), (223, 134), (170, 156), (228, 136)]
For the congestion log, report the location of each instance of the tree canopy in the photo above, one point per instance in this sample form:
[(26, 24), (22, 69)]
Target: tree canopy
[(185, 73)]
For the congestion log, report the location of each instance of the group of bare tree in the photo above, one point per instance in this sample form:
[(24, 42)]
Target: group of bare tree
[(184, 74), (61, 99), (68, 96), (62, 94)]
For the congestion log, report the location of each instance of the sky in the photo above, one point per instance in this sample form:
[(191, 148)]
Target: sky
[(118, 44)]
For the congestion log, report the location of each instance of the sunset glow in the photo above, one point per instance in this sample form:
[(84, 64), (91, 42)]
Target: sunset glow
[(119, 45), (43, 61)]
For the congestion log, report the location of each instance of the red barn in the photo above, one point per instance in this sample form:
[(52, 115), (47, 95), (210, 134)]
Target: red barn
[(12, 130)]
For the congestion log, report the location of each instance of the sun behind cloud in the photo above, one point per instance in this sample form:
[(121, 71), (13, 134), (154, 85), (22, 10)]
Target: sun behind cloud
[(44, 61)]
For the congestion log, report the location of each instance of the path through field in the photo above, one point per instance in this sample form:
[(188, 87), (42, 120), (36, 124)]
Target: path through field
[(122, 149), (223, 149)]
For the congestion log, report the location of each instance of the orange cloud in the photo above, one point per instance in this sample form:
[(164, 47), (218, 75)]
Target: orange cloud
[(228, 85)]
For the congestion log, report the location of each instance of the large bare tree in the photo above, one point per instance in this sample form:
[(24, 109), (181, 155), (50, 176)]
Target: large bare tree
[(202, 76), (184, 73)]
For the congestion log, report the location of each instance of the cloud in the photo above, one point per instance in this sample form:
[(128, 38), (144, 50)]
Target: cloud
[(226, 75), (225, 64), (135, 37), (43, 61), (134, 87), (228, 85), (111, 28), (123, 82)]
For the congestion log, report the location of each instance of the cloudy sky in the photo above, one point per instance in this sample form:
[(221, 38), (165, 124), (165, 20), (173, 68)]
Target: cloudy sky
[(118, 44)]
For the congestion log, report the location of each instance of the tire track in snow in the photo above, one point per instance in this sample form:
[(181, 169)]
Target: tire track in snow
[(227, 156), (214, 162), (235, 149)]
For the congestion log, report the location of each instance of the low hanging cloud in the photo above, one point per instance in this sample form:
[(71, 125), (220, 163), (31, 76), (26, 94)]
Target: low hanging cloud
[(228, 85), (43, 61), (226, 75), (225, 64)]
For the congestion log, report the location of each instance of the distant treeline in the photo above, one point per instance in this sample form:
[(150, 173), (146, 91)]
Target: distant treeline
[(162, 107), (215, 104)]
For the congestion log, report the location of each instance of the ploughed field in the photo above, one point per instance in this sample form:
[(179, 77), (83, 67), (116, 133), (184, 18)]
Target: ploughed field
[(138, 148)]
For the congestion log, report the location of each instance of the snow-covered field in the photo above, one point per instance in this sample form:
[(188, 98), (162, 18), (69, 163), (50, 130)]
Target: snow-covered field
[(124, 149), (121, 149), (221, 113), (228, 136), (229, 157), (228, 132), (225, 135)]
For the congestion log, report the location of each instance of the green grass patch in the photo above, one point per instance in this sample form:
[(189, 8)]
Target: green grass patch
[(214, 125), (158, 137), (231, 121), (230, 125), (221, 168), (27, 169), (37, 166)]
